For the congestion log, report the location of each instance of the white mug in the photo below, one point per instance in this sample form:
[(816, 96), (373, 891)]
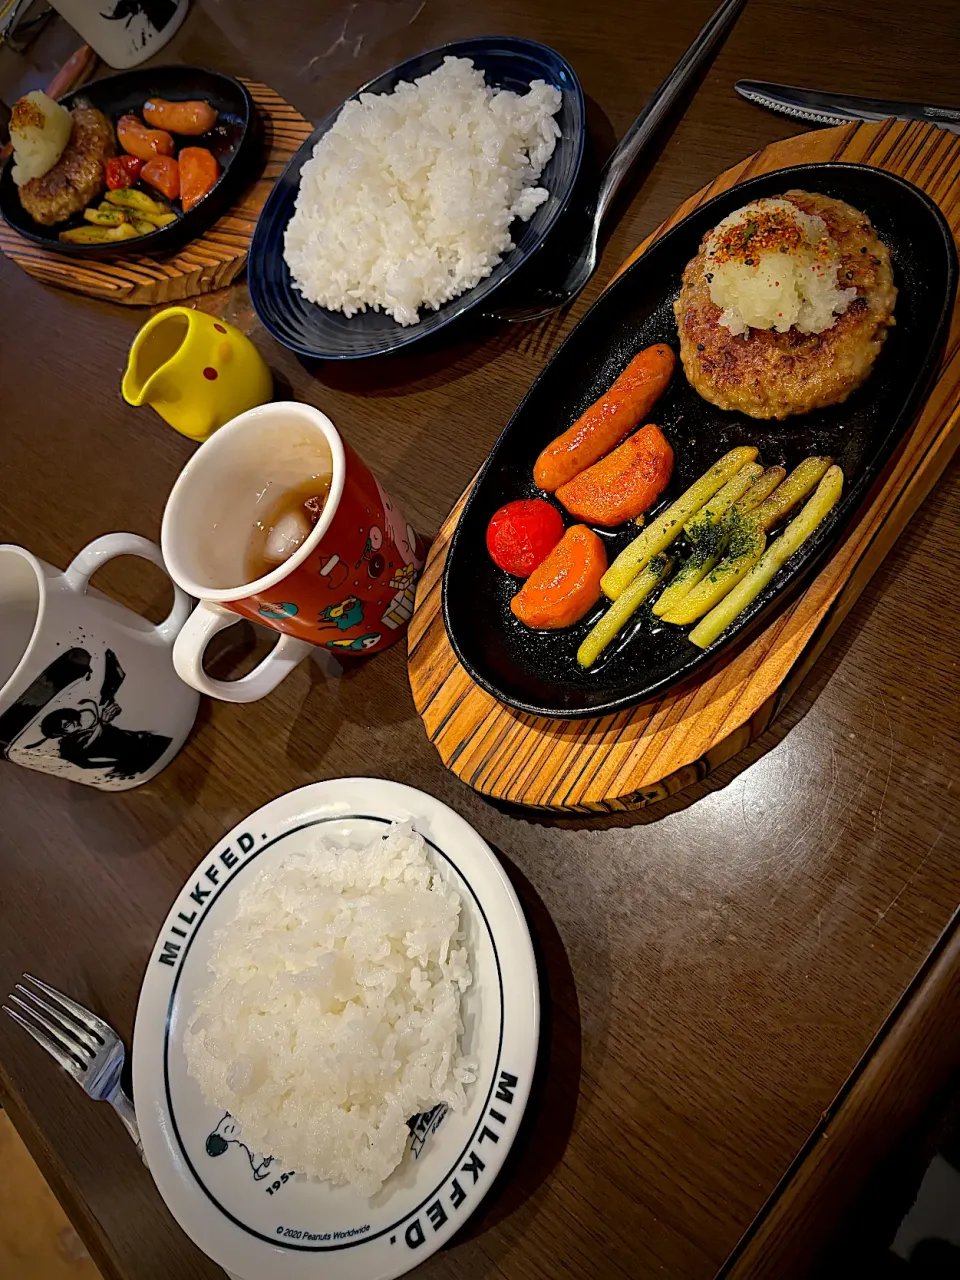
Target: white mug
[(124, 33), (87, 687)]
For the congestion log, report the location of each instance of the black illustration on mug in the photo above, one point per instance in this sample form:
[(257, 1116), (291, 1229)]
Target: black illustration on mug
[(84, 733), (155, 13), (224, 1136)]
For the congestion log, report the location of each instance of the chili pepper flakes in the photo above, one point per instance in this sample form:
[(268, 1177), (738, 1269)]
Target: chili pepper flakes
[(761, 230)]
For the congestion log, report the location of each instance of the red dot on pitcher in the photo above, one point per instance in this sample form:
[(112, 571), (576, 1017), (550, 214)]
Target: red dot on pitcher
[(219, 328), (210, 374)]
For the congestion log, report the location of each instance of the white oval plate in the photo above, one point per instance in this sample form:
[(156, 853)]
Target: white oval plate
[(242, 1208)]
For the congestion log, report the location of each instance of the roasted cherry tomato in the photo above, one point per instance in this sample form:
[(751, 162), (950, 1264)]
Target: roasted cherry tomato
[(522, 534), (123, 171)]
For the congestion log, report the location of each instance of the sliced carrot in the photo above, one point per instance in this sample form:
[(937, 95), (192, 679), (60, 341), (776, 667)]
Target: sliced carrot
[(624, 483), (162, 172), (566, 585), (199, 172), (618, 412)]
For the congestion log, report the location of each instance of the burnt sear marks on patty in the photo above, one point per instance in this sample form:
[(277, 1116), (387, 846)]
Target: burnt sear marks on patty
[(79, 175), (766, 374)]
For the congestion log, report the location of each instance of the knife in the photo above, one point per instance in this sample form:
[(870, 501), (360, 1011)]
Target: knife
[(840, 108)]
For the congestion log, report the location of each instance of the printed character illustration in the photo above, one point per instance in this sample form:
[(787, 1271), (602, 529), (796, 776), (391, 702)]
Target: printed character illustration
[(408, 541), (225, 1135), (335, 572), (371, 553), (146, 13), (355, 646), (85, 734), (421, 1126), (400, 609), (284, 610), (348, 613)]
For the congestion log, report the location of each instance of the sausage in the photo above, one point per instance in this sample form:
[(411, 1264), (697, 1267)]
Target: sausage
[(624, 483), (137, 140), (189, 118), (608, 420), (565, 585)]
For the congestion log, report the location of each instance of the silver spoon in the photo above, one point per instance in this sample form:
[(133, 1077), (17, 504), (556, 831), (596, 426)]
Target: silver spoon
[(630, 148)]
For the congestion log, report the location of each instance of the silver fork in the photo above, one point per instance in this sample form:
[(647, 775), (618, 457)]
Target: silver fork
[(84, 1045), (633, 144)]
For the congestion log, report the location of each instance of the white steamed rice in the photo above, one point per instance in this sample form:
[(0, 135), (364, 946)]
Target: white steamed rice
[(407, 200), (332, 1010)]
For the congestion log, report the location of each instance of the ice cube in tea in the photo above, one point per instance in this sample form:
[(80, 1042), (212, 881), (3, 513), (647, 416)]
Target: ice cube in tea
[(286, 523)]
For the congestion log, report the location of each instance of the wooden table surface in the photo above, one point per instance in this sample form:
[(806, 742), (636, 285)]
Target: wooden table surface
[(715, 967)]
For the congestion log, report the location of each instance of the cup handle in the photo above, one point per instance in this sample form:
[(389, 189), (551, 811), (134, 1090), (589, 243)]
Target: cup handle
[(84, 565), (200, 628)]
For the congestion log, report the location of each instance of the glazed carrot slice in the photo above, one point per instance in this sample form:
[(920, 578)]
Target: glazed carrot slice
[(199, 172), (608, 420), (162, 172), (566, 585), (622, 484)]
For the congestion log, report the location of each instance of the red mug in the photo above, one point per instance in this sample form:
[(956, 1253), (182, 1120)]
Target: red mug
[(349, 587)]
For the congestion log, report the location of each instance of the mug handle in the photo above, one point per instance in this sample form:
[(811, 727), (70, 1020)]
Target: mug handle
[(200, 628), (84, 565)]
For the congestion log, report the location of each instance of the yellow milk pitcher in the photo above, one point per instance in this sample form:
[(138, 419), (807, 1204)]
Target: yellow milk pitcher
[(196, 371)]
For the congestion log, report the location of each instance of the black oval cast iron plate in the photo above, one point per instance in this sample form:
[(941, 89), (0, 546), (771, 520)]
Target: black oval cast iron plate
[(234, 140), (537, 671)]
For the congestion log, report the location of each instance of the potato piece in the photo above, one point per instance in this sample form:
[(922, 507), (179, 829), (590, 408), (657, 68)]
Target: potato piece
[(694, 569), (143, 226), (623, 609), (708, 533), (761, 488), (105, 217), (801, 481), (661, 531), (745, 544), (158, 219), (137, 201), (721, 501), (98, 235), (776, 555)]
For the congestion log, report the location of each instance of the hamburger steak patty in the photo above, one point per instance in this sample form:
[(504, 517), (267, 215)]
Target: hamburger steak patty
[(78, 176), (766, 374)]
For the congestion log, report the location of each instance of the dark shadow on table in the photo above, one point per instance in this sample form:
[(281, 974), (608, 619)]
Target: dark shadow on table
[(548, 1120)]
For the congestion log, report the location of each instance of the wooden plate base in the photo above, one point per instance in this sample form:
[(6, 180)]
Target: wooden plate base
[(212, 261), (630, 759)]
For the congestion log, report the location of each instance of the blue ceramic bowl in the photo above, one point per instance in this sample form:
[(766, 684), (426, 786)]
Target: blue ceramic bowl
[(313, 331)]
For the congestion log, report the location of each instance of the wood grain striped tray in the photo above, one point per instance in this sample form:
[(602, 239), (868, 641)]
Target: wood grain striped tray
[(210, 262), (627, 760)]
